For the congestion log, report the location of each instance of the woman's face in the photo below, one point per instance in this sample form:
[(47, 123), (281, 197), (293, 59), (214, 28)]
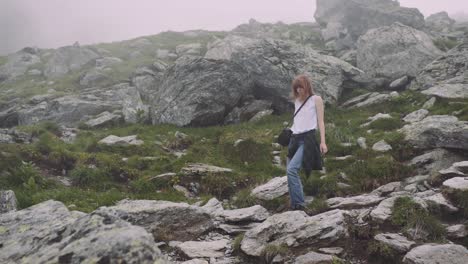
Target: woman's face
[(301, 92)]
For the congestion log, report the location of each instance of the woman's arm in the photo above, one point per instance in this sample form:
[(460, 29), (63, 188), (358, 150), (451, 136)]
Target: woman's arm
[(321, 123)]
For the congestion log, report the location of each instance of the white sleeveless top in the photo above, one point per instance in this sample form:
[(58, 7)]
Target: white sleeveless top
[(306, 119)]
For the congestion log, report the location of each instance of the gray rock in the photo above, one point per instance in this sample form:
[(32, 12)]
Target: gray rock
[(237, 229), (448, 90), (439, 200), (344, 21), (213, 207), (437, 131), (301, 33), (104, 119), (362, 142), (107, 62), (8, 201), (332, 250), (437, 253), (395, 241), (436, 160), (386, 189), (198, 91), (384, 210), (354, 201), (399, 83), (456, 184), (49, 233), (121, 141), (255, 213), (247, 112), (448, 69), (381, 146), (273, 63), (94, 77), (375, 118), (314, 258), (165, 220), (203, 249), (395, 51), (440, 22), (94, 238), (274, 188), (457, 231), (295, 228), (194, 169), (68, 59), (18, 63), (12, 135), (429, 103), (133, 108), (416, 116), (189, 49), (368, 99)]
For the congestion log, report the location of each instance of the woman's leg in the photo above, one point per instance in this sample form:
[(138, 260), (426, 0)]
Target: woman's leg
[(294, 181)]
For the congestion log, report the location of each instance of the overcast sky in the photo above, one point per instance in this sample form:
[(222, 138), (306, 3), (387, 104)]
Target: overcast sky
[(55, 23)]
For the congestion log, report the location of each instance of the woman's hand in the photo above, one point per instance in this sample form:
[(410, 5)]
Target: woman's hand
[(323, 148)]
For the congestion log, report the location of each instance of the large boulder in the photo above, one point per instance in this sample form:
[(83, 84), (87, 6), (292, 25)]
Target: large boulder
[(272, 65), (18, 63), (438, 131), (344, 21), (445, 73), (49, 233), (69, 58), (165, 220), (436, 253), (70, 109), (440, 22), (394, 51), (7, 201), (295, 229), (198, 91)]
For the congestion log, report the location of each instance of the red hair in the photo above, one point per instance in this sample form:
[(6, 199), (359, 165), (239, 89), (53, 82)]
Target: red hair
[(304, 82)]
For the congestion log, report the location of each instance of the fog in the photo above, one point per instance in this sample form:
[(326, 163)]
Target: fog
[(55, 23)]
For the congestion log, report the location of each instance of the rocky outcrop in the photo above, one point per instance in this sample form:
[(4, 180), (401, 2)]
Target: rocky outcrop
[(446, 73), (439, 131), (273, 63), (274, 188), (436, 253), (66, 59), (440, 22), (8, 201), (165, 220), (295, 229), (395, 51), (112, 140), (198, 91), (344, 21), (18, 63), (49, 233)]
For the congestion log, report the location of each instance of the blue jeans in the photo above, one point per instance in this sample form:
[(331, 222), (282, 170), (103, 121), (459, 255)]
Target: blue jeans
[(293, 166)]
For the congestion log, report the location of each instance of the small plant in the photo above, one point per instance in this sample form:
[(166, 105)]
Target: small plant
[(410, 215), (381, 253), (445, 44), (244, 199), (271, 251), (386, 124), (236, 245), (317, 206)]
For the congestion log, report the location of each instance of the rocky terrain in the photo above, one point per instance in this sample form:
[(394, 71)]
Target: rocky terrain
[(161, 149)]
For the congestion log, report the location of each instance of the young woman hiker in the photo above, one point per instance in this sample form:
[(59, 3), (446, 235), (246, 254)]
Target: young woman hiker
[(304, 150)]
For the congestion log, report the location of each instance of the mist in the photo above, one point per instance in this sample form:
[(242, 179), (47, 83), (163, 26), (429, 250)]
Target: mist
[(55, 23)]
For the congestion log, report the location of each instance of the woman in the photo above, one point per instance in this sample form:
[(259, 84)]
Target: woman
[(303, 149)]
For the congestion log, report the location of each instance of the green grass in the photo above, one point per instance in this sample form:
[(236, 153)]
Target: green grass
[(457, 107), (445, 44), (409, 215), (93, 167)]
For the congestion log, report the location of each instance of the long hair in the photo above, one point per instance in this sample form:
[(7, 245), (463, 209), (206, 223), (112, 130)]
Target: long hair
[(301, 81)]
